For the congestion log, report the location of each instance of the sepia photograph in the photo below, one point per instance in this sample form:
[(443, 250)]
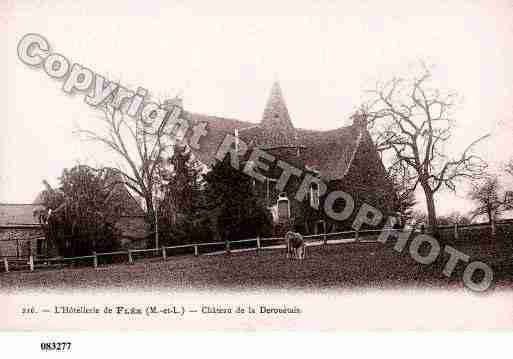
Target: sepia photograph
[(256, 166)]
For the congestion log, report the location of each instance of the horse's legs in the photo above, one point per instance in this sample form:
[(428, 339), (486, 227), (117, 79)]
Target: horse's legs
[(301, 252)]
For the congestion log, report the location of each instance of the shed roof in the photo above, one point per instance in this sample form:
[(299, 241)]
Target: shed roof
[(18, 214)]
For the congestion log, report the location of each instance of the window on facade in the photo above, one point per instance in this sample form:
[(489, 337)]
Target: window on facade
[(314, 195), (283, 205)]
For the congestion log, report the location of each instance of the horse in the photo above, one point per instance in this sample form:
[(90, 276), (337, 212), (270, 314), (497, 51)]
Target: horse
[(295, 245)]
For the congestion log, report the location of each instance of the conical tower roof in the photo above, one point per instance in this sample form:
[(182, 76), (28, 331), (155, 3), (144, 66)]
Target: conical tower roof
[(276, 128), (276, 116)]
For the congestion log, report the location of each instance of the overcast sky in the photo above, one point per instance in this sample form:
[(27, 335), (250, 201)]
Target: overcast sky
[(224, 56)]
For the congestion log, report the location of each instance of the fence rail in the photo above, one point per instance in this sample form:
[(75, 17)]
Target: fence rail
[(31, 261), (475, 225)]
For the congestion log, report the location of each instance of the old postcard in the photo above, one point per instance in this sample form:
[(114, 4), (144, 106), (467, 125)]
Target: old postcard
[(256, 166)]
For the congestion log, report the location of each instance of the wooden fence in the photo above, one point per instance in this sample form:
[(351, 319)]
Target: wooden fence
[(497, 230), (33, 262)]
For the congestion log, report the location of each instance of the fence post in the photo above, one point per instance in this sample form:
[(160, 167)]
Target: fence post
[(196, 250), (31, 262), (356, 236), (258, 245), (494, 228), (95, 260), (325, 235), (6, 265), (164, 253), (456, 233), (228, 246), (130, 259)]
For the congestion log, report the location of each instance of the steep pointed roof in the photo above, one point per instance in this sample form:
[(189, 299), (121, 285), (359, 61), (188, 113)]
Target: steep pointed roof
[(328, 152), (276, 115), (276, 128)]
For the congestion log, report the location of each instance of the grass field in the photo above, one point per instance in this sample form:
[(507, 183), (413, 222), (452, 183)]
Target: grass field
[(335, 266)]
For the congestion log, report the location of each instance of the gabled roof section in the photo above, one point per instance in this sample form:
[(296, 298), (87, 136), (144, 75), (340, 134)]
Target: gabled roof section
[(265, 137), (328, 152), (217, 129)]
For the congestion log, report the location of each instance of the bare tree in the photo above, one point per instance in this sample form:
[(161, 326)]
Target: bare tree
[(486, 195), (412, 121), (140, 144)]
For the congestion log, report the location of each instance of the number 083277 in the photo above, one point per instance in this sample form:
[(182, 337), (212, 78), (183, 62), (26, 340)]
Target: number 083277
[(56, 346)]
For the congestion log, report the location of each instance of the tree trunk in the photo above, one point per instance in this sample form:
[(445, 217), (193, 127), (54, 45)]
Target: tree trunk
[(150, 219), (490, 215), (493, 223), (430, 204), (491, 220)]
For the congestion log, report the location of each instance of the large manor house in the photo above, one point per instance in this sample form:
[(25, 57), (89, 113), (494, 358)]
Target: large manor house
[(344, 158)]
